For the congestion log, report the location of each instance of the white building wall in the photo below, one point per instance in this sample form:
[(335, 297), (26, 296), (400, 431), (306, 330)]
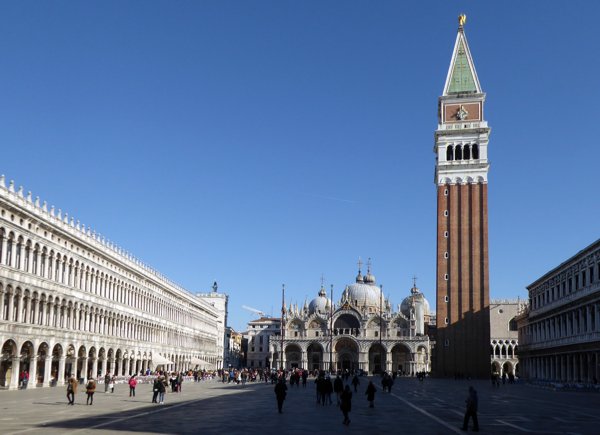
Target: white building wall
[(72, 302)]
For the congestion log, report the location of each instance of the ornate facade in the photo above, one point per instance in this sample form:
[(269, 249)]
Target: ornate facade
[(504, 337), (559, 330), (361, 331), (72, 303)]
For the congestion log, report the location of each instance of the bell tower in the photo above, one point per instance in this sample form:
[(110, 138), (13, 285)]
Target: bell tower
[(461, 176)]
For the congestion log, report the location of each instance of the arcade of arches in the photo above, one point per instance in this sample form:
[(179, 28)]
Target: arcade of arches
[(350, 354)]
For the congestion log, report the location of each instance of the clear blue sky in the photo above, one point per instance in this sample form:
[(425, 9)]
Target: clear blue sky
[(267, 142)]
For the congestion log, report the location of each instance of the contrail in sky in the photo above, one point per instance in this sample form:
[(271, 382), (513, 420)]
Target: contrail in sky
[(332, 198)]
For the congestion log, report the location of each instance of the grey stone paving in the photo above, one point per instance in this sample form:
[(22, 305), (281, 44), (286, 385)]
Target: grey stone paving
[(430, 407)]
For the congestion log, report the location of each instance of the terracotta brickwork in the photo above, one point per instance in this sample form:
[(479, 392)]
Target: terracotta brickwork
[(462, 281)]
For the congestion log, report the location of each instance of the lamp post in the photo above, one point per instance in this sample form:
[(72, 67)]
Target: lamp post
[(380, 325), (282, 323), (331, 331)]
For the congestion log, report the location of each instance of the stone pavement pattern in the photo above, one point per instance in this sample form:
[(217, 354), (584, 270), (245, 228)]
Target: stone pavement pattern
[(429, 407)]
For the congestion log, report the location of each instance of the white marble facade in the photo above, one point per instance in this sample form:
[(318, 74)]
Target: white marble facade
[(73, 303), (361, 331), (559, 329)]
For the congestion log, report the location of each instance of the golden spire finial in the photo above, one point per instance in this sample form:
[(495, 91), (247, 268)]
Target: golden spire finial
[(462, 19)]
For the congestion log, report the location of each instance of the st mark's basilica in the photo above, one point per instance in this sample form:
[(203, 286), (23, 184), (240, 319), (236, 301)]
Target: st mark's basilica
[(361, 331)]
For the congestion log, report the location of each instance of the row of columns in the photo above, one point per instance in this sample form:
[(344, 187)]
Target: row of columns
[(580, 321), (44, 313), (99, 367), (572, 367), (57, 270)]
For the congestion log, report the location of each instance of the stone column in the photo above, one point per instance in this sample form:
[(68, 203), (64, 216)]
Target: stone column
[(36, 312), (47, 371), (95, 368), (27, 317), (2, 295), (103, 367), (13, 254), (126, 366), (14, 373), (388, 361), (11, 304), (19, 316), (304, 359), (32, 372), (50, 313), (75, 318), (29, 260), (60, 377), (4, 260)]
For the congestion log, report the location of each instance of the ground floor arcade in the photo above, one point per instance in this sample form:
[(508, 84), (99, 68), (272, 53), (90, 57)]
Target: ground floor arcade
[(50, 363), (583, 366), (345, 353)]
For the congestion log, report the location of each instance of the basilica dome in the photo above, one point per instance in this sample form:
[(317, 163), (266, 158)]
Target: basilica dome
[(415, 298), (364, 295), (320, 304)]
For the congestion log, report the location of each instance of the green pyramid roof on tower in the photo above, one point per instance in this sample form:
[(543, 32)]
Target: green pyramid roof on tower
[(462, 78)]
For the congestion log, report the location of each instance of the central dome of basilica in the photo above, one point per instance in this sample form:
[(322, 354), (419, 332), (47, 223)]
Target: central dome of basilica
[(364, 293)]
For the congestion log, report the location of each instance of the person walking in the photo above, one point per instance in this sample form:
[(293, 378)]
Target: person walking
[(132, 384), (371, 394), (162, 388), (106, 382), (471, 411), (155, 388), (90, 389), (338, 388), (346, 404), (280, 393), (71, 390), (355, 383), (111, 384)]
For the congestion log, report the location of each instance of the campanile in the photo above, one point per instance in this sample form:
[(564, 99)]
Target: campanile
[(461, 176)]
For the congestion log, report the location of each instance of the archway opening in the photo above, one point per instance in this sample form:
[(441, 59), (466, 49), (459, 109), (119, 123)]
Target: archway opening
[(9, 352), (346, 352), (346, 324), (401, 359), (315, 356), (293, 357), (377, 359)]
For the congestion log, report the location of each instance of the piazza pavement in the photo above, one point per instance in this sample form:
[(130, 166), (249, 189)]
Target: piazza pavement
[(429, 407)]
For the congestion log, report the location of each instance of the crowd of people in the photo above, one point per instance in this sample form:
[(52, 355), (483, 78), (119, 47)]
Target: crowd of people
[(326, 384)]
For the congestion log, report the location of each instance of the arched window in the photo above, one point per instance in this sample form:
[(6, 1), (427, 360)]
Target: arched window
[(512, 325), (458, 153), (450, 153), (475, 152), (467, 152)]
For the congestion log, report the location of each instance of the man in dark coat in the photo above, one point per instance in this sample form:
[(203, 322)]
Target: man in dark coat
[(280, 392), (471, 410), (355, 383), (346, 404), (371, 394), (338, 387)]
